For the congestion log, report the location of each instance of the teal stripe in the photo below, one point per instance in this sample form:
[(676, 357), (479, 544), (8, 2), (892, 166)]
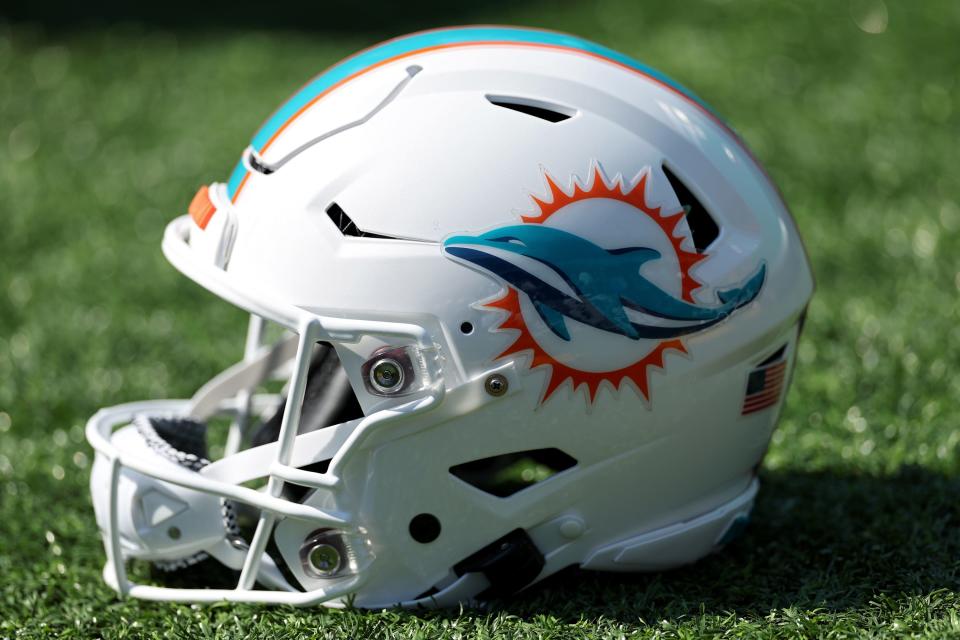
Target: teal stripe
[(426, 40), (418, 41), (236, 178)]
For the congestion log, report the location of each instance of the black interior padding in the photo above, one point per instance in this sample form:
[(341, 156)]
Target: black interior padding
[(324, 365), (183, 434), (509, 563), (209, 572), (273, 551), (296, 492), (702, 226)]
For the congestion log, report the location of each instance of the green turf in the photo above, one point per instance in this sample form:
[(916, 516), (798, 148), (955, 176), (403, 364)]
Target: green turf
[(107, 132)]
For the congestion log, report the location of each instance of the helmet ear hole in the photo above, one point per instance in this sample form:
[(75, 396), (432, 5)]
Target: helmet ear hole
[(425, 528), (466, 328), (508, 473)]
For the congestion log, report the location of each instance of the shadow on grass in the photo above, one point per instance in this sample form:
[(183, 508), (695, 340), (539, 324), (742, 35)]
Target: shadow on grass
[(817, 540)]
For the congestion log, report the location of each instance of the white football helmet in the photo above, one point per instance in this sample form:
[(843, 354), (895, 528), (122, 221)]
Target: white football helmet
[(539, 308)]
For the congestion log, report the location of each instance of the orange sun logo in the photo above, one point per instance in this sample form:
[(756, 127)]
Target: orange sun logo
[(555, 201)]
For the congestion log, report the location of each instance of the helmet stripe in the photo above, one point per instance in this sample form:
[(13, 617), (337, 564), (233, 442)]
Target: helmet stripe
[(424, 41)]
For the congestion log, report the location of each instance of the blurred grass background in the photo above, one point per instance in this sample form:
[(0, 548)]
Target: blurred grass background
[(108, 125)]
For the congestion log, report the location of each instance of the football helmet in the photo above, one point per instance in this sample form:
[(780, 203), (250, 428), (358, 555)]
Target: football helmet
[(518, 303)]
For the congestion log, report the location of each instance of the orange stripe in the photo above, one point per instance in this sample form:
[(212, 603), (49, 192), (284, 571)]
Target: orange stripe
[(478, 43), (240, 186), (201, 208)]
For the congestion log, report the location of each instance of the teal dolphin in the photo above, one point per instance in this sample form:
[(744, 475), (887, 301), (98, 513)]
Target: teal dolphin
[(606, 282)]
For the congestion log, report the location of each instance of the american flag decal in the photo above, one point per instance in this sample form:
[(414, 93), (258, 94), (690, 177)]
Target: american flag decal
[(765, 384)]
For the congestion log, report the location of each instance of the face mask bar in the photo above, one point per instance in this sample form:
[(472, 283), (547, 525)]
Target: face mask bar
[(310, 329), (255, 332)]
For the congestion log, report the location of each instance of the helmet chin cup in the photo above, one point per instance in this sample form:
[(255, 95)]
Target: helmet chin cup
[(159, 520), (517, 302)]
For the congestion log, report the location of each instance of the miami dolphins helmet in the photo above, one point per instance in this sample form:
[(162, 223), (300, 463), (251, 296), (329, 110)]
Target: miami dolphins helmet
[(517, 303)]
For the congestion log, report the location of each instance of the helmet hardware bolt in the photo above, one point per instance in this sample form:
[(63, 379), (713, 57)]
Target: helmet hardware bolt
[(386, 375), (571, 528), (324, 559), (496, 385), (174, 533)]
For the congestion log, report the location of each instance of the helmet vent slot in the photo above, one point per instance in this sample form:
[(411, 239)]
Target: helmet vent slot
[(775, 356), (703, 227), (348, 227), (508, 473), (536, 108)]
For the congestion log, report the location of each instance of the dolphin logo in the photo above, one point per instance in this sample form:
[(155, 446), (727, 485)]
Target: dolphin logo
[(606, 282)]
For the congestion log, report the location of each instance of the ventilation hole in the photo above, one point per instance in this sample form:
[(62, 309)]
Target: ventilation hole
[(776, 355), (348, 227), (425, 528), (317, 467), (254, 161), (536, 108), (702, 226), (506, 474), (466, 328)]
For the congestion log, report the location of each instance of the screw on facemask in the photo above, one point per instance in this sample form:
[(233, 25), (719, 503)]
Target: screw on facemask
[(496, 385), (324, 559), (386, 375), (326, 554), (395, 371)]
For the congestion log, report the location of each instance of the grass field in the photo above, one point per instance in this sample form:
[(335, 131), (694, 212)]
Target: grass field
[(107, 131)]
